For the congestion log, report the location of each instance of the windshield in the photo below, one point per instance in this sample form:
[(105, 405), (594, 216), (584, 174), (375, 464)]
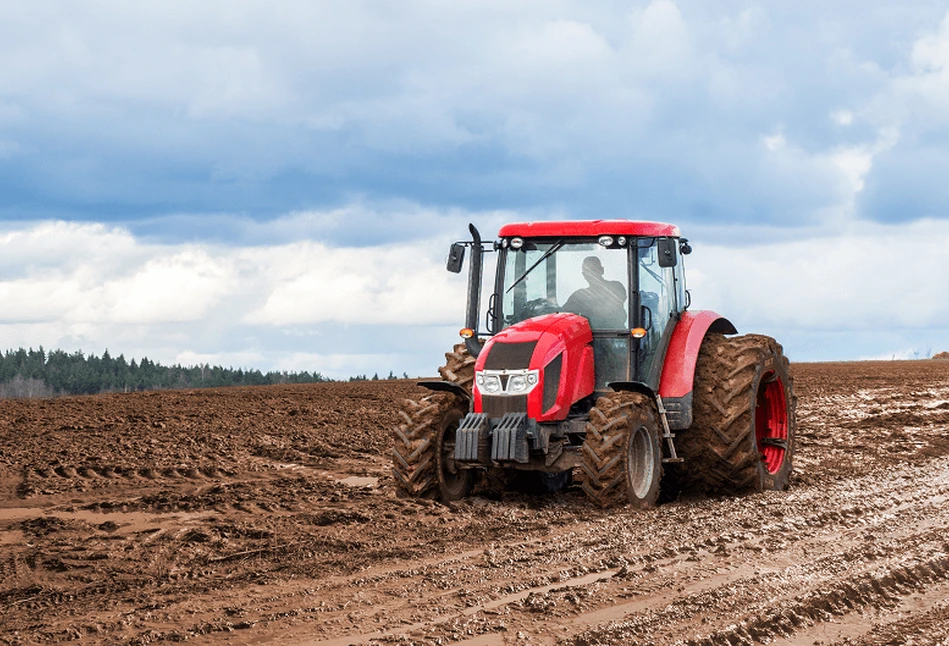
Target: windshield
[(580, 277)]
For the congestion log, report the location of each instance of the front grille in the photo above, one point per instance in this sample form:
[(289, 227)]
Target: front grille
[(509, 356), (496, 407)]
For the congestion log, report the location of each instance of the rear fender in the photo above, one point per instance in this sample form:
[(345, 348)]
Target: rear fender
[(678, 370)]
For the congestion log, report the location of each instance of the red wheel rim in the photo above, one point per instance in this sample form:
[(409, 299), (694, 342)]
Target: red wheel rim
[(771, 422)]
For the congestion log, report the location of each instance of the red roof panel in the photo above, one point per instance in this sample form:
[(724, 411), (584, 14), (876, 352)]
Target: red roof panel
[(571, 228)]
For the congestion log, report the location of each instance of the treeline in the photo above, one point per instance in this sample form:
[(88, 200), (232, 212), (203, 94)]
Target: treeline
[(38, 373)]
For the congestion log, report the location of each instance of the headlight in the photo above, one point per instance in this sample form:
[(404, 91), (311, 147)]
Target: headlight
[(490, 384), (517, 384), (506, 382)]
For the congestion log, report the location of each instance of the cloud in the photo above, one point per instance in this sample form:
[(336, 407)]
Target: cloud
[(92, 286), (312, 283), (659, 44), (656, 107), (358, 223), (179, 287), (905, 182), (120, 279), (93, 274), (868, 278), (236, 181), (34, 248), (930, 61), (307, 305)]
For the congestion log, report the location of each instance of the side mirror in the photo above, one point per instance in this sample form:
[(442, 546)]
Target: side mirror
[(667, 252), (456, 258)]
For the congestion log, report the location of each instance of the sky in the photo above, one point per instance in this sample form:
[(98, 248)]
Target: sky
[(275, 185)]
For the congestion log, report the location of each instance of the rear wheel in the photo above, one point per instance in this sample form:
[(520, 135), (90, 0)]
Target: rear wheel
[(423, 452), (622, 459), (742, 437)]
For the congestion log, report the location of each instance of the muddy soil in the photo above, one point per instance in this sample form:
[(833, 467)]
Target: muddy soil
[(267, 516)]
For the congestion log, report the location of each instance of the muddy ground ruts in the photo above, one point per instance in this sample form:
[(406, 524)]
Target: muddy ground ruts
[(266, 515)]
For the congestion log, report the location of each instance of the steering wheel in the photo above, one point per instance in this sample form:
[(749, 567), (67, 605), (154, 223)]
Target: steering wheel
[(539, 307)]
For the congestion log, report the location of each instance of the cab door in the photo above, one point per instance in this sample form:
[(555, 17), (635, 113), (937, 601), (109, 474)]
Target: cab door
[(658, 311)]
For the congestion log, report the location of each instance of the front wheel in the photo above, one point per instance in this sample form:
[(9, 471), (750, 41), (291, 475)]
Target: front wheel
[(621, 456), (423, 451)]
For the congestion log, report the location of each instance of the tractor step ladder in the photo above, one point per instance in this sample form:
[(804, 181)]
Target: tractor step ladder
[(667, 435)]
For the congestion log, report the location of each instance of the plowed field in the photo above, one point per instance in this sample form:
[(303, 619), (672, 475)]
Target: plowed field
[(267, 516)]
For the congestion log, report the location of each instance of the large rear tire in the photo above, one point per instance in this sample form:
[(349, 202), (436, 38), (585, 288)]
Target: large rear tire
[(423, 452), (742, 436), (622, 458)]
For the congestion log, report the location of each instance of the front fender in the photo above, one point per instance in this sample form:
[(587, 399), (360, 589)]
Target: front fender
[(447, 387)]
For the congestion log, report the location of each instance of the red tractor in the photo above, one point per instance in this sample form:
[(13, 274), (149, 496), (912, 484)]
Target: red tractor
[(590, 361)]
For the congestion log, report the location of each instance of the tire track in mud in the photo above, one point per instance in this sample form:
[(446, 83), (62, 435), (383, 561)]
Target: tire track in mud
[(881, 564), (922, 621), (833, 593), (882, 586), (619, 582)]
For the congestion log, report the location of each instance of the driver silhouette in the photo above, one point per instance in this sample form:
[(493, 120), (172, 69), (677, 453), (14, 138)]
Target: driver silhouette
[(602, 302)]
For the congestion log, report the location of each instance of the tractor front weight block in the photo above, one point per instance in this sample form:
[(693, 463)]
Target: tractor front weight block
[(509, 441), (472, 438), (482, 440)]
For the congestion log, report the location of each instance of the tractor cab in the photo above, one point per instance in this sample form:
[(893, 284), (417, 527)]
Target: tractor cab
[(625, 278), (628, 284)]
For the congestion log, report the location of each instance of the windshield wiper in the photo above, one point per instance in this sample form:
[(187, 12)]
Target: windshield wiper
[(544, 257)]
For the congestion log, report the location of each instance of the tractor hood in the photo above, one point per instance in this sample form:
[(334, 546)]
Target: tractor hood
[(540, 366)]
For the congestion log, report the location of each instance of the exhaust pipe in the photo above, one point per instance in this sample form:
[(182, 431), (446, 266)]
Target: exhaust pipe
[(474, 291)]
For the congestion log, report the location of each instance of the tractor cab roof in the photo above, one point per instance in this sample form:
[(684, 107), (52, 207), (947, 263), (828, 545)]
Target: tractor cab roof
[(591, 228)]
